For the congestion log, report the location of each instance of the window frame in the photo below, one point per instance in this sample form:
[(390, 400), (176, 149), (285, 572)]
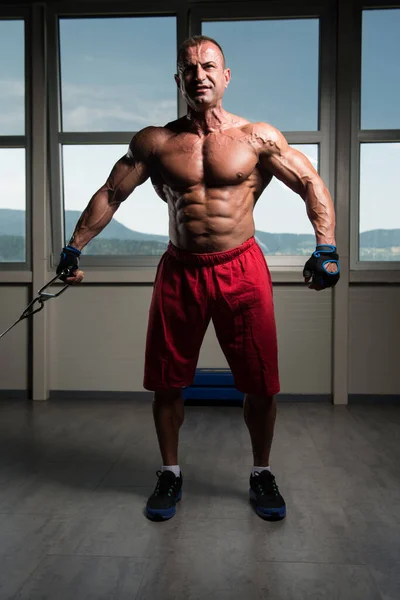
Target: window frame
[(57, 138), (359, 136), (324, 136), (22, 141)]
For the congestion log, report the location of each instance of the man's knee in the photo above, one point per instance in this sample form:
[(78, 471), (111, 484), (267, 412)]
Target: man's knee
[(167, 396), (259, 399), (167, 403)]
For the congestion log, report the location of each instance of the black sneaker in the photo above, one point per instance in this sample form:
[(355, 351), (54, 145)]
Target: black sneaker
[(264, 494), (168, 491)]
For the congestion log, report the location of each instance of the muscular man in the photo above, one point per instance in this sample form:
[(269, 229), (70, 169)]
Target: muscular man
[(211, 167)]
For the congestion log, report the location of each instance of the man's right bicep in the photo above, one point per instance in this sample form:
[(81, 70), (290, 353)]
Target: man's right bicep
[(133, 168), (127, 173)]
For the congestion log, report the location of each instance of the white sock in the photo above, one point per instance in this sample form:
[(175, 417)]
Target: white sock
[(260, 469), (174, 468)]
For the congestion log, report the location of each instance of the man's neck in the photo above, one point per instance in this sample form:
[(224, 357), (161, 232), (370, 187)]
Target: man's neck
[(210, 120)]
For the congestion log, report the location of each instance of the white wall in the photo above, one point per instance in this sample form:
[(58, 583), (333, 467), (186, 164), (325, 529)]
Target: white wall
[(14, 345), (97, 338), (374, 340)]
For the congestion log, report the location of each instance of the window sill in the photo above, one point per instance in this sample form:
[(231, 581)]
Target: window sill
[(146, 275)]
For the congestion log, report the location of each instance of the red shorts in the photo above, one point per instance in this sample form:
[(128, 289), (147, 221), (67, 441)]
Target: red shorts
[(232, 288)]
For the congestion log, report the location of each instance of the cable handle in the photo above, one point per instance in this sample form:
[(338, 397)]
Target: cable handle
[(46, 295)]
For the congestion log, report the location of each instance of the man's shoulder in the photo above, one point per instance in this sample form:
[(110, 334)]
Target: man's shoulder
[(264, 130), (148, 140), (149, 135), (265, 137)]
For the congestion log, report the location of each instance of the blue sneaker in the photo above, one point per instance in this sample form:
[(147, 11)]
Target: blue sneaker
[(264, 494), (168, 491)]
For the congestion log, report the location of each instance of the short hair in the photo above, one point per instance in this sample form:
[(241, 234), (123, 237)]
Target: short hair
[(196, 40)]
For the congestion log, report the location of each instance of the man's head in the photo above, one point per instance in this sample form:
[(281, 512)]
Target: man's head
[(202, 76)]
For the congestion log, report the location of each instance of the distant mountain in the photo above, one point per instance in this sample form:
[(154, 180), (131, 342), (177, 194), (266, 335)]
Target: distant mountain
[(12, 223), (287, 243), (114, 230), (380, 238)]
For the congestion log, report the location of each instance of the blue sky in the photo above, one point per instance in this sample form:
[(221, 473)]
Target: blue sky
[(117, 74), (380, 70)]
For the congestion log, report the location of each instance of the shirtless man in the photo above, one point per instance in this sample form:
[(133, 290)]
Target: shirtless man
[(211, 167)]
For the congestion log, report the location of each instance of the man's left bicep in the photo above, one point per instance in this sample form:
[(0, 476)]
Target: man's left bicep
[(292, 168)]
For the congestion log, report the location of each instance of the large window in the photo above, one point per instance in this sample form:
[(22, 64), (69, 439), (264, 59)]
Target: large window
[(117, 77), (275, 78), (379, 137), (12, 142)]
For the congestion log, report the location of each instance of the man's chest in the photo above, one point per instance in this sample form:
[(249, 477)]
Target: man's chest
[(215, 160)]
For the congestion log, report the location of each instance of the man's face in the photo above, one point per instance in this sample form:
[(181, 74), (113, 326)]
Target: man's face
[(202, 78)]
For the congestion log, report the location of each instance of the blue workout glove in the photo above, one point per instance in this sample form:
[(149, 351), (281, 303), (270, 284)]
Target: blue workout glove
[(315, 266), (69, 259)]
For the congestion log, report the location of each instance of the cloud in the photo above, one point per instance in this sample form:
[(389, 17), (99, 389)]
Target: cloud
[(84, 118), (12, 110), (12, 120), (12, 177), (86, 108), (12, 88)]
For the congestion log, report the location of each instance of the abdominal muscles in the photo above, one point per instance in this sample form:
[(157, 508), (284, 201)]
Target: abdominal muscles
[(212, 219)]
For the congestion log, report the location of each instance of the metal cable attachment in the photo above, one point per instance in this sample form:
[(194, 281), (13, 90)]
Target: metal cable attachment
[(41, 298)]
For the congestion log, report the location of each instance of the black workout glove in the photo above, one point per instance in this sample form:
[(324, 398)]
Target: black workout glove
[(69, 259), (315, 266)]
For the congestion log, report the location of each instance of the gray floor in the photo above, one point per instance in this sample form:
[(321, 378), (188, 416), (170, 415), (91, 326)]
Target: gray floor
[(75, 477)]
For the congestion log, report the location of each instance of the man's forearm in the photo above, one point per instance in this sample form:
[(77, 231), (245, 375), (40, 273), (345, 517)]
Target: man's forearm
[(94, 218), (321, 212)]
